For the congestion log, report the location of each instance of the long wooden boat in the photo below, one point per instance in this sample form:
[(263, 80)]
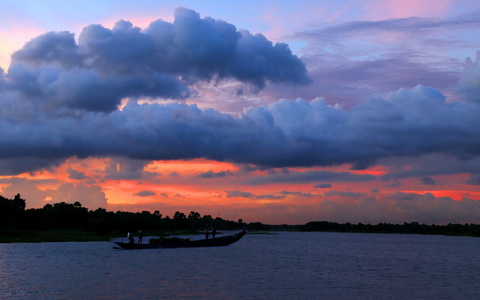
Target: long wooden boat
[(212, 242)]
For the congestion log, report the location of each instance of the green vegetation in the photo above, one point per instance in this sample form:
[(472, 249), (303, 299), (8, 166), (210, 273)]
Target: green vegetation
[(63, 222)]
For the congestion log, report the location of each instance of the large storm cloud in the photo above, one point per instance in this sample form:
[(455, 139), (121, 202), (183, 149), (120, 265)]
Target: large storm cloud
[(60, 99)]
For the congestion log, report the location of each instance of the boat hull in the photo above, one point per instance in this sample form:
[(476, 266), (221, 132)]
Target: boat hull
[(221, 241)]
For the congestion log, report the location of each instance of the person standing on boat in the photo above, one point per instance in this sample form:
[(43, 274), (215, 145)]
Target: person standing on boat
[(129, 238), (206, 233), (140, 236), (214, 231)]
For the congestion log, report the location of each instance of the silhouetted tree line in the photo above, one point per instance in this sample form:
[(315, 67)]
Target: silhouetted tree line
[(74, 216), (405, 228), (13, 215)]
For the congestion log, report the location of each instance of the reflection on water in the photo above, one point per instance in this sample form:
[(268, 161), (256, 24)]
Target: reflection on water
[(280, 266)]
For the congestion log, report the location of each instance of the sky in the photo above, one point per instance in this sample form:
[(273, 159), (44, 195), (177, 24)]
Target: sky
[(281, 112)]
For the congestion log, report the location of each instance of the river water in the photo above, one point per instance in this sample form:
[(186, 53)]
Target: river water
[(260, 266)]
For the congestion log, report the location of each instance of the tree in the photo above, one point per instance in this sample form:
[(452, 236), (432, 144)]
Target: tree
[(194, 216), (12, 212), (66, 215), (19, 202), (180, 220)]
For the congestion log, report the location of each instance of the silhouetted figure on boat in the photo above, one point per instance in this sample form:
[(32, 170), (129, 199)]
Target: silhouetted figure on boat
[(130, 238), (140, 236), (214, 231), (206, 233)]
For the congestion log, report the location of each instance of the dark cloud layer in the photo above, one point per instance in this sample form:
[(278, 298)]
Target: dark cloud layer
[(286, 133), (162, 61)]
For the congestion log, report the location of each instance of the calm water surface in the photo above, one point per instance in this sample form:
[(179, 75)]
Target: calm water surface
[(262, 266)]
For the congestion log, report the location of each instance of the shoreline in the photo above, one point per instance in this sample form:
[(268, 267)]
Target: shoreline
[(73, 235)]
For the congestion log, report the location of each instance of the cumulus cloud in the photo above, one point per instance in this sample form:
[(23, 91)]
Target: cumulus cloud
[(211, 174), (323, 185), (91, 196), (108, 65), (237, 193), (269, 196), (301, 194), (407, 123), (145, 194)]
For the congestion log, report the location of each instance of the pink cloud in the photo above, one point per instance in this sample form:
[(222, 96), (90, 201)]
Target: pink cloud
[(391, 9)]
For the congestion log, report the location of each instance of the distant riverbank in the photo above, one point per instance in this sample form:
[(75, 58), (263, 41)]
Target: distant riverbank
[(66, 222), (74, 235)]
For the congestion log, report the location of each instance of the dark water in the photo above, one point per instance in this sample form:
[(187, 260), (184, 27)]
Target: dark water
[(280, 266)]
